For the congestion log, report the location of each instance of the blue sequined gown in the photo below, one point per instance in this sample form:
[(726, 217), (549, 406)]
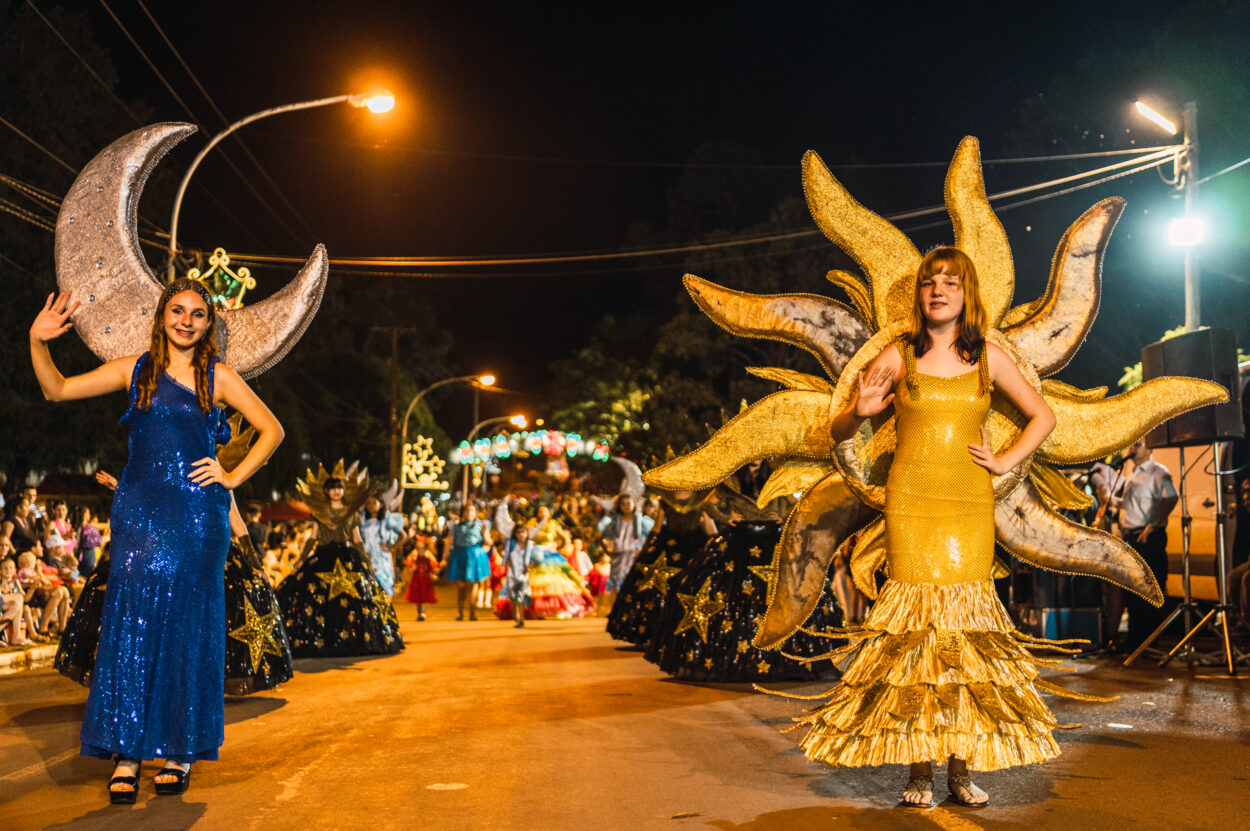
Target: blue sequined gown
[(159, 678)]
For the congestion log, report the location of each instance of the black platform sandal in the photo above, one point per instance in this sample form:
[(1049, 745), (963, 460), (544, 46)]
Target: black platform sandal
[(174, 788), (125, 797)]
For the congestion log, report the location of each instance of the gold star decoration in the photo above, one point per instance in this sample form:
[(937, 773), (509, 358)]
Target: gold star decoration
[(729, 566), (707, 662), (257, 632), (755, 551), (385, 607), (743, 646), (690, 656), (766, 573), (699, 609), (726, 625), (762, 666), (657, 575), (339, 581), (748, 587)]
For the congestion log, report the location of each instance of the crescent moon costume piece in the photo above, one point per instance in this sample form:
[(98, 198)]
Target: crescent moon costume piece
[(332, 603), (938, 667), (258, 654), (157, 683), (705, 625)]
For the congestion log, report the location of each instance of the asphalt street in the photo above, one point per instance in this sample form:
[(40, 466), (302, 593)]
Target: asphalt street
[(477, 725)]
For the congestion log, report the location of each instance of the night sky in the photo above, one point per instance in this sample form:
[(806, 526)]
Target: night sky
[(551, 127)]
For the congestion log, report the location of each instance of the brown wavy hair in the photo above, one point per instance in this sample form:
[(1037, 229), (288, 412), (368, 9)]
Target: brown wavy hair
[(972, 320), (205, 347)]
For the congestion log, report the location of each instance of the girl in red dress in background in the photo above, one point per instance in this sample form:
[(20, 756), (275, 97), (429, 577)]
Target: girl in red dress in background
[(423, 565)]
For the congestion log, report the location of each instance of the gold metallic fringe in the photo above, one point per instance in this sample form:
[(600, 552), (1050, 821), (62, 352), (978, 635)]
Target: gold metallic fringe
[(935, 671)]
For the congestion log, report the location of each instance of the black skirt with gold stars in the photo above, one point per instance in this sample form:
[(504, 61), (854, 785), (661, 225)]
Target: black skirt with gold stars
[(710, 611), (333, 605), (258, 654), (75, 654), (640, 601)]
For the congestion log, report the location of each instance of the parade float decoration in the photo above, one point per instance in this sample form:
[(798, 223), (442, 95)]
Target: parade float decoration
[(524, 444), (226, 285), (842, 485), (98, 259), (422, 467)]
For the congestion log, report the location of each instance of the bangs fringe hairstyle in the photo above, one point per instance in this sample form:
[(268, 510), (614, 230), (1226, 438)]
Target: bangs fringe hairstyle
[(205, 347), (970, 339)]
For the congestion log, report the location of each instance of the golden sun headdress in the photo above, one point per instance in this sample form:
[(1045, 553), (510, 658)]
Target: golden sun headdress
[(356, 490), (843, 485)]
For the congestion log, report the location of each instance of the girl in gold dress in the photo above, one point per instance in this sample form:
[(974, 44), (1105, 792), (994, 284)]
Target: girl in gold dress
[(937, 672)]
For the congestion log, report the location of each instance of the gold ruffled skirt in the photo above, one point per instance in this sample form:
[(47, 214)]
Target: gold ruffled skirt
[(936, 670)]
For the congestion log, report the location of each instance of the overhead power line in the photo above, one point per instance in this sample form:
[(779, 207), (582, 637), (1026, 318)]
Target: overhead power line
[(169, 87), (1145, 162), (226, 122), (157, 229), (377, 266), (408, 148)]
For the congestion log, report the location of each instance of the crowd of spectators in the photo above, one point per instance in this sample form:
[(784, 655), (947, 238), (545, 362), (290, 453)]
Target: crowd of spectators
[(46, 554)]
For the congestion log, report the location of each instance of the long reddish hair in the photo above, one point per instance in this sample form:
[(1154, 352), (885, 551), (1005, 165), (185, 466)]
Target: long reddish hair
[(972, 320), (205, 347)]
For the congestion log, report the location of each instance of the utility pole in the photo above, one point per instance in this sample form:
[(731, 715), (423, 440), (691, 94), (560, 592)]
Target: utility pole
[(395, 331), (1189, 169)]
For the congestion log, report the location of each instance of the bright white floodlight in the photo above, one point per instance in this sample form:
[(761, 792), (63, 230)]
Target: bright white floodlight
[(1186, 231)]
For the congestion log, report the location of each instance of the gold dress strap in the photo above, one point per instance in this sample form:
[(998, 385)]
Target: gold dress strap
[(983, 369)]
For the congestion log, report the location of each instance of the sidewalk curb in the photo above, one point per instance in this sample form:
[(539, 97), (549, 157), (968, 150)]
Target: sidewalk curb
[(20, 660)]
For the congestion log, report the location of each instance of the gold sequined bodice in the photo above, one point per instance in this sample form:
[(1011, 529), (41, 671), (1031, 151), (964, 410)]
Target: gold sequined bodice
[(939, 503)]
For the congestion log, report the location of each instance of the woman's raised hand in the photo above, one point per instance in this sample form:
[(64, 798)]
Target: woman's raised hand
[(53, 319), (875, 391)]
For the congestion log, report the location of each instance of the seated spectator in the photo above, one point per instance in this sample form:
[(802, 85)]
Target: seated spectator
[(12, 604), (42, 591), (90, 540)]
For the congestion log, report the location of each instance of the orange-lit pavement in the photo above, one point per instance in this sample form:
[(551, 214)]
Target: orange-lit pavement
[(480, 726)]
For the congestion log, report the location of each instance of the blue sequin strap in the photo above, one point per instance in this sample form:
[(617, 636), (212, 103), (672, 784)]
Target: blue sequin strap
[(218, 424), (133, 391)]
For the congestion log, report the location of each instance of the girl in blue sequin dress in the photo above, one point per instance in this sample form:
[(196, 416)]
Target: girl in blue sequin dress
[(159, 670)]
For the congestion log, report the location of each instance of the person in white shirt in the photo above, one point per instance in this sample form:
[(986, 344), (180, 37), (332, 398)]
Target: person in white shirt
[(1144, 502)]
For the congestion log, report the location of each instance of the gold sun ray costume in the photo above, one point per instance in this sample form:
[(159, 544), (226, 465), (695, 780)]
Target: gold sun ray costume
[(938, 667)]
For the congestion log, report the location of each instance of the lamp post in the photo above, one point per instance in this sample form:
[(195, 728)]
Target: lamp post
[(376, 103), (1185, 231), (478, 382), (516, 420)]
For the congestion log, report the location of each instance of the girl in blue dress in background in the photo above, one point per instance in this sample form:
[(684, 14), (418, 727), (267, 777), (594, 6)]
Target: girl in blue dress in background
[(158, 687), (469, 560)]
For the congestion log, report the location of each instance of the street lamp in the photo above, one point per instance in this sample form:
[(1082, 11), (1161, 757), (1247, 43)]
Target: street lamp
[(517, 420), (375, 102), (478, 381), (1185, 231)]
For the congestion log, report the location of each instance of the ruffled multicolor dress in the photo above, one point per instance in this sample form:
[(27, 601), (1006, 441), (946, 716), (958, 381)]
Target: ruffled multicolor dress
[(938, 668)]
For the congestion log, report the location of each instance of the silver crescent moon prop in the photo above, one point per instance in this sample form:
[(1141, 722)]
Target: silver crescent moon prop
[(99, 260), (632, 484)]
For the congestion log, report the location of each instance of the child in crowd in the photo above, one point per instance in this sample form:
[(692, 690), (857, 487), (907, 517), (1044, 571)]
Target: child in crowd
[(515, 588), (12, 605), (422, 566), (597, 579)]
